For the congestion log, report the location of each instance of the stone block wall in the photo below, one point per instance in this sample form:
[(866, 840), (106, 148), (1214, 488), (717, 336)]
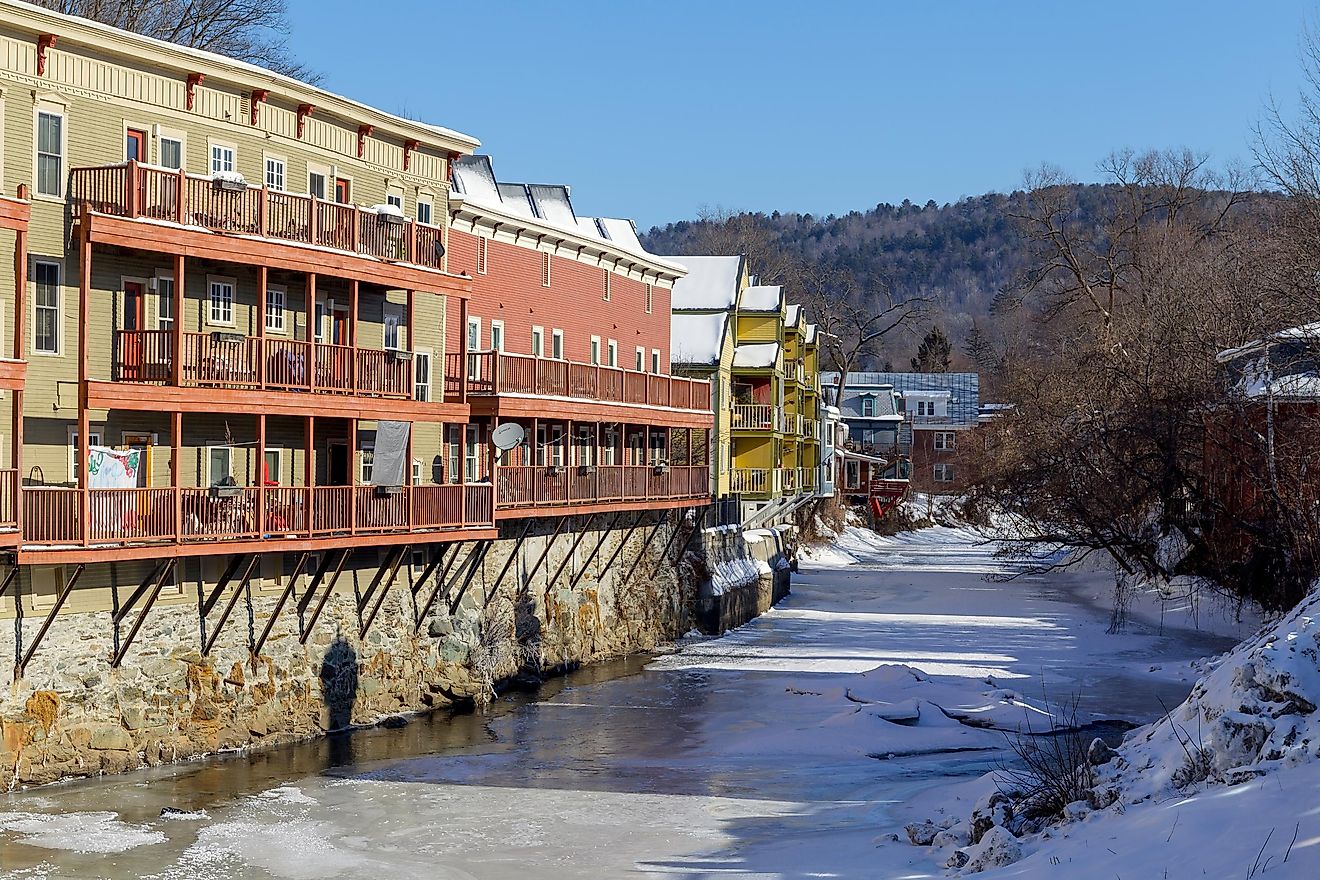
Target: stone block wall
[(743, 574)]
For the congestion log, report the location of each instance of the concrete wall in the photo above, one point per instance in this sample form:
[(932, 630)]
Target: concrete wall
[(72, 714), (745, 574)]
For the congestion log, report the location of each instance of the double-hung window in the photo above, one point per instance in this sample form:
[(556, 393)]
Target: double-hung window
[(221, 305), (422, 375), (164, 304), (538, 342), (641, 359), (392, 321), (423, 212), (472, 455), (945, 440), (50, 153), (222, 159), (612, 353), (595, 350), (275, 173), (368, 466), (944, 473), (557, 345), (46, 308), (868, 407), (275, 312), (497, 336), (655, 361), (455, 454), (171, 152)]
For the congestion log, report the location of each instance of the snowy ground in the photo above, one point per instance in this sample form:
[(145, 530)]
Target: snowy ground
[(791, 747)]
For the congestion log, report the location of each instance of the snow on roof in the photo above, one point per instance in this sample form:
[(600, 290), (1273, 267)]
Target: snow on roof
[(810, 332), (621, 230), (793, 314), (756, 354), (697, 338), (515, 197), (711, 282), (552, 204), (1301, 332), (762, 298)]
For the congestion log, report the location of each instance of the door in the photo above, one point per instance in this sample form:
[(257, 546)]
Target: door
[(131, 338), (337, 465), (143, 445), (135, 145), (342, 191), (339, 326)]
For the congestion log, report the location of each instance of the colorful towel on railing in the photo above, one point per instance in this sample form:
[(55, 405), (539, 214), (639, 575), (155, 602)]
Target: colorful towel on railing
[(112, 468)]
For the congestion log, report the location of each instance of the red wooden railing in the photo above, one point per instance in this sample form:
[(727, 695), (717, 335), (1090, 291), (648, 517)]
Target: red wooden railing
[(51, 516), (493, 372), (134, 190), (531, 486), (8, 498)]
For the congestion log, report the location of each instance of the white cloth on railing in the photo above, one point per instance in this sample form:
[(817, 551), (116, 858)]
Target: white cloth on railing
[(112, 468), (391, 453)]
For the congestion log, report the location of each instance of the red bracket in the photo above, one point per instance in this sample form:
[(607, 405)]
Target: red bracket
[(364, 131), (449, 166), (408, 148), (44, 42), (304, 110), (259, 97), (194, 80)]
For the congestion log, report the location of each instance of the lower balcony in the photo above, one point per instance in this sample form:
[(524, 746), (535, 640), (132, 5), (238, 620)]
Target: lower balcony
[(237, 361), (532, 487), (52, 517), (766, 483)]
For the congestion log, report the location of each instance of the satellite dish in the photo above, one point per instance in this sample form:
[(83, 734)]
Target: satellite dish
[(507, 436)]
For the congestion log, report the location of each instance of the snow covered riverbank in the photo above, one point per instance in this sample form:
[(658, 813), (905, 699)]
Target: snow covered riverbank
[(791, 747)]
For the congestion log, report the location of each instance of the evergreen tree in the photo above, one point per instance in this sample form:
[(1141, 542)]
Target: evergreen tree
[(934, 354)]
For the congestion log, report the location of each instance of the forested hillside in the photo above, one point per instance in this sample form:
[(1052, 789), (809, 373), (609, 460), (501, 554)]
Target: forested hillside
[(957, 255)]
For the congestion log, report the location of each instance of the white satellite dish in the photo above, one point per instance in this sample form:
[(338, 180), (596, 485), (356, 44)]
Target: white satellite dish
[(507, 436)]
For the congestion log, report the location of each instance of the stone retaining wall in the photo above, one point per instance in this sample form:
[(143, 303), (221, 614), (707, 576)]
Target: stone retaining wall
[(72, 714), (746, 573)]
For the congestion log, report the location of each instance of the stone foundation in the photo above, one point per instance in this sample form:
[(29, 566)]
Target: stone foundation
[(72, 714), (746, 574)]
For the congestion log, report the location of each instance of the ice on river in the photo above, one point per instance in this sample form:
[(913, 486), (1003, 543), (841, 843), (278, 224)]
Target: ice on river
[(784, 749)]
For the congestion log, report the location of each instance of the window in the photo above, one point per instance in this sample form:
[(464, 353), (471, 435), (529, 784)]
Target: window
[(219, 464), (868, 407), (271, 467), (275, 173), (586, 447), (368, 464), (93, 439), (423, 212), (455, 454), (474, 334), (944, 473), (50, 153), (171, 152), (221, 301), (557, 344), (416, 472), (135, 145), (422, 375), (318, 329), (222, 159), (395, 199), (606, 296), (46, 308), (595, 350), (650, 296), (545, 270), (497, 336), (316, 180), (472, 456), (483, 254), (538, 342), (945, 440), (343, 190), (275, 309), (164, 303), (392, 321), (641, 359), (612, 353), (852, 473), (611, 442), (655, 361)]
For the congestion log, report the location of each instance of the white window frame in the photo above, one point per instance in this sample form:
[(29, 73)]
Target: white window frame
[(557, 344), (326, 173), (59, 309), (538, 341), (162, 277), (454, 454), (471, 454), (612, 353), (945, 441), (474, 333), (213, 281), (46, 107), (419, 356), (366, 462), (497, 336), (178, 137), (280, 166), (427, 207), (392, 324), (264, 476), (394, 196), (943, 472), (641, 359), (207, 448), (93, 439), (868, 403), (274, 292), (595, 351), (655, 361), (215, 164)]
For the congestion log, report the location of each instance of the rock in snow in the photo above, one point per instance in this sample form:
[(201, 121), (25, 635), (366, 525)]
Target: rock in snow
[(922, 833), (998, 848)]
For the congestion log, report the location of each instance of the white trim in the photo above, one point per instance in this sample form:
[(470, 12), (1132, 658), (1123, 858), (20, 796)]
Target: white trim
[(612, 353), (497, 325), (215, 143), (327, 174), (655, 361), (365, 447), (538, 341), (160, 134), (418, 354), (641, 359), (59, 308), (427, 202), (557, 346), (44, 105), (209, 478), (94, 438), (283, 291), (594, 358), (266, 160), (208, 306)]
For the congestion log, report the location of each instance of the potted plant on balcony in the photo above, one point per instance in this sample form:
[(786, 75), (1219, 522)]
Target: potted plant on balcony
[(229, 181)]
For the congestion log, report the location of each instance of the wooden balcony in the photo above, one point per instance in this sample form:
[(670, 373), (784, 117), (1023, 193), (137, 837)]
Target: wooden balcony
[(537, 487), (496, 373), (236, 361), (757, 417), (52, 517), (134, 191), (767, 483)]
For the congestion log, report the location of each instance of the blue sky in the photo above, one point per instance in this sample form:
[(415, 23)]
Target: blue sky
[(653, 110)]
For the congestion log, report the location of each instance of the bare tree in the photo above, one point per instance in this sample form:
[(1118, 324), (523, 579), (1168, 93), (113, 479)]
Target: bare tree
[(255, 31)]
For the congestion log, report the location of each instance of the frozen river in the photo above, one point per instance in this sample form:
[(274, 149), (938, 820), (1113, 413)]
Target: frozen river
[(746, 756)]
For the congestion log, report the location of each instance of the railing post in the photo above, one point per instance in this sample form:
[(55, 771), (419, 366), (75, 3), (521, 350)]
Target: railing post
[(261, 476), (176, 471), (352, 476), (180, 182), (496, 371), (313, 219), (353, 233), (312, 330), (410, 248), (131, 188)]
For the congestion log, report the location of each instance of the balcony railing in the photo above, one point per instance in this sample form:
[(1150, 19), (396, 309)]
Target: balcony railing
[(134, 190), (495, 372), (772, 482), (228, 360), (52, 516), (757, 417), (541, 486)]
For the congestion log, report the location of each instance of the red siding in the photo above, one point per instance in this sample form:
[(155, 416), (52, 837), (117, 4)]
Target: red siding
[(511, 291)]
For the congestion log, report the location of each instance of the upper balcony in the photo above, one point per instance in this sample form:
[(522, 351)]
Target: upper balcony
[(194, 203), (495, 374)]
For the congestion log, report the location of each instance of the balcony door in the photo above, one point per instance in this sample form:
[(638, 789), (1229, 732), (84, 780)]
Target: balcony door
[(337, 464), (135, 321)]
